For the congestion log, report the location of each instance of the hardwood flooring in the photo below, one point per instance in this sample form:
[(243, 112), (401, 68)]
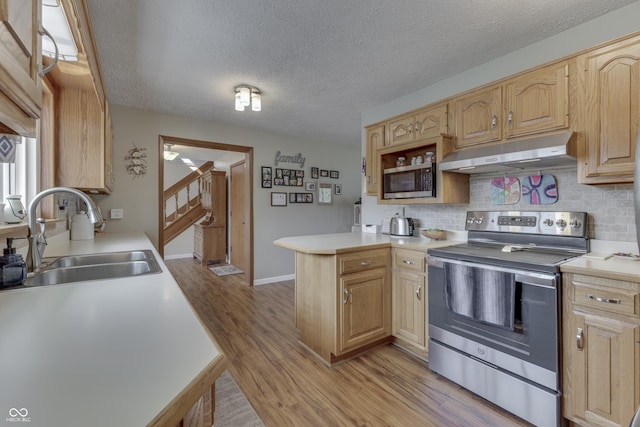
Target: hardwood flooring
[(287, 386)]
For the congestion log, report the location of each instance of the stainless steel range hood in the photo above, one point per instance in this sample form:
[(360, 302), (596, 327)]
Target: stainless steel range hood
[(557, 149)]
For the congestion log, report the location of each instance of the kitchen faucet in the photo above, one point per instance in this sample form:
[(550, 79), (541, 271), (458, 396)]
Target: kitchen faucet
[(37, 241)]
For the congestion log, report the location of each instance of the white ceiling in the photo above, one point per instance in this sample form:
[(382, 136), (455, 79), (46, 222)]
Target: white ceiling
[(319, 64)]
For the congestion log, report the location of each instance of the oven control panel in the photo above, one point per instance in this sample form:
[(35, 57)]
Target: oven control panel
[(562, 223)]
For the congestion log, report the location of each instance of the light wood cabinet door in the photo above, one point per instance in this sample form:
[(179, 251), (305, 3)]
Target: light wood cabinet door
[(409, 306), (418, 125), (375, 140), (610, 110), (209, 244), (537, 101), (20, 87), (478, 118), (601, 350), (108, 149), (364, 310)]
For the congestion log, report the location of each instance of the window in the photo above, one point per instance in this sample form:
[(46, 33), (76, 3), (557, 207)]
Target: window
[(20, 177)]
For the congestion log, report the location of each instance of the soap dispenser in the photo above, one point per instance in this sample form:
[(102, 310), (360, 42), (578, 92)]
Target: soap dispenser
[(13, 269)]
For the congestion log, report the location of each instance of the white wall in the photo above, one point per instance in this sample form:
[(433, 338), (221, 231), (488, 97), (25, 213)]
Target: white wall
[(139, 196), (610, 206)]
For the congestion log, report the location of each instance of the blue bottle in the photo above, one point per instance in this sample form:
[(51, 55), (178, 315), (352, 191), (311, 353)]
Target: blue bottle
[(13, 269)]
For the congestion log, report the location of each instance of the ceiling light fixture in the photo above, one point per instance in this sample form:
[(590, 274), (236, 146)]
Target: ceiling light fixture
[(247, 95), (55, 21), (168, 154)]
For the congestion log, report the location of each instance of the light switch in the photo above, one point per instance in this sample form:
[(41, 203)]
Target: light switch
[(117, 213)]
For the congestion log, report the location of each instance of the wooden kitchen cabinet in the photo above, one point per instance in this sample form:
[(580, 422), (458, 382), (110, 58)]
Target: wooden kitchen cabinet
[(210, 236), (20, 61), (534, 102), (409, 297), (601, 341), (609, 105), (210, 243), (421, 124), (375, 140), (343, 302)]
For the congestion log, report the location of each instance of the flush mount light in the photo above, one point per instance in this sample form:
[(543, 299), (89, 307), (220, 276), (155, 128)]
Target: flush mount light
[(168, 154), (247, 95)]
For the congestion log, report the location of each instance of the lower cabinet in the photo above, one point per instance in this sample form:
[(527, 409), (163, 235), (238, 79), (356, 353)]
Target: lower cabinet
[(209, 243), (409, 297), (343, 302), (601, 340)]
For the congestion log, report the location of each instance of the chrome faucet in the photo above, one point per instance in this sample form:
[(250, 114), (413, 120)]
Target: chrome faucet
[(37, 241)]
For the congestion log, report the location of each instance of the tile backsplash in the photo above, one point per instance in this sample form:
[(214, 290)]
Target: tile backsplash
[(610, 207)]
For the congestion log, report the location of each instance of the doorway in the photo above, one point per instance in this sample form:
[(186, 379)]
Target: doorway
[(241, 195)]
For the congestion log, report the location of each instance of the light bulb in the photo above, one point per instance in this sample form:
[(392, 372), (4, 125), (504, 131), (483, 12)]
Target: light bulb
[(239, 106), (245, 96), (256, 102)]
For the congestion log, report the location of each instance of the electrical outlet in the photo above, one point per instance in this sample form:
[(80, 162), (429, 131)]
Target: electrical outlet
[(117, 213)]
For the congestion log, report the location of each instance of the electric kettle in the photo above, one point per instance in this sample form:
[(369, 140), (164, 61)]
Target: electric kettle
[(14, 211), (400, 226)]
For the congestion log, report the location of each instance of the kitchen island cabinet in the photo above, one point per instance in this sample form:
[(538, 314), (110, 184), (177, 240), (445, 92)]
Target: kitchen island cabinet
[(113, 352), (343, 290), (601, 341)]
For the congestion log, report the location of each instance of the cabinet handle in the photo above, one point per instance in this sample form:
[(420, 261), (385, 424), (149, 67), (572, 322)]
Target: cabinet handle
[(365, 263), (419, 293), (510, 118), (410, 128), (408, 262), (346, 297), (416, 127), (494, 122), (580, 339), (599, 299)]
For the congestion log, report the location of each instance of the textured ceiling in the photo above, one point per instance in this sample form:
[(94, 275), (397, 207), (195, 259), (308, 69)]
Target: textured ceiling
[(319, 64)]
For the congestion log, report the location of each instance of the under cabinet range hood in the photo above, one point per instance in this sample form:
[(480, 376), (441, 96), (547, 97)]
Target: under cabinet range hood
[(556, 149)]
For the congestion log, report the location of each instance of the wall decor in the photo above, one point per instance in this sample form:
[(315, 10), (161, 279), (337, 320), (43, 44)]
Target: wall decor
[(539, 189), (324, 193), (281, 158), (504, 190), (337, 189), (310, 186), (278, 199), (315, 173), (136, 160), (289, 177), (324, 173), (267, 177), (300, 197), (334, 174)]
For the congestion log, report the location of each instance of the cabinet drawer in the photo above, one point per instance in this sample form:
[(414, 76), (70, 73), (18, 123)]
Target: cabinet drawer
[(616, 300), (362, 261), (410, 260)]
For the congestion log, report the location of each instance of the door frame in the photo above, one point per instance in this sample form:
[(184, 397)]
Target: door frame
[(248, 152)]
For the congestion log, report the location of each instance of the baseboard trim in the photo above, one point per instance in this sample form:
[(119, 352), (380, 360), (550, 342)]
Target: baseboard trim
[(275, 279)]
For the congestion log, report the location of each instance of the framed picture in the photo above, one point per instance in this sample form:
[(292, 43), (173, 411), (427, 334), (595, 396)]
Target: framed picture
[(267, 178), (337, 189), (300, 174), (278, 199), (308, 197), (292, 197), (310, 186), (324, 173), (324, 193), (334, 174), (315, 173)]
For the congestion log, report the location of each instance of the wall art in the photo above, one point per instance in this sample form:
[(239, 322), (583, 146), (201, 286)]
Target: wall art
[(267, 177), (315, 173), (278, 199), (334, 174), (337, 189), (136, 160), (300, 197)]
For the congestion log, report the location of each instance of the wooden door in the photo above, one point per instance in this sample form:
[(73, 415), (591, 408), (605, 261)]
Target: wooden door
[(409, 306), (611, 108), (478, 117), (364, 313), (239, 249), (401, 130), (375, 140), (604, 373), (537, 101)]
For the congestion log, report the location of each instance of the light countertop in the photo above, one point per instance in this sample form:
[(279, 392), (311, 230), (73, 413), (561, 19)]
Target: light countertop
[(612, 268), (331, 244), (99, 353)]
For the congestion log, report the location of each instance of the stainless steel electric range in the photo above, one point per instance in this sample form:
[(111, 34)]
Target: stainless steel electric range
[(494, 308)]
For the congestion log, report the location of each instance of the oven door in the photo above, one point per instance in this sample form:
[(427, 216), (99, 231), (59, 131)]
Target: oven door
[(505, 317)]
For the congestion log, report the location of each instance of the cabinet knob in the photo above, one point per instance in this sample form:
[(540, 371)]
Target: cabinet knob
[(494, 122), (510, 118), (346, 297), (580, 339)]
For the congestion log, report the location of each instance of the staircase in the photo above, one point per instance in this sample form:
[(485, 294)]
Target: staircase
[(185, 201)]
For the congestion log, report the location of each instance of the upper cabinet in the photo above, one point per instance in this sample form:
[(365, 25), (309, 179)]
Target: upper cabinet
[(20, 88), (421, 124), (84, 134), (531, 103), (609, 102), (375, 140)]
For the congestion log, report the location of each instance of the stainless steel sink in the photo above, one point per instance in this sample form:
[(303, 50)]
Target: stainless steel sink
[(110, 265)]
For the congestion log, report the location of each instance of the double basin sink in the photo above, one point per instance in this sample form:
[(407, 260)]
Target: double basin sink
[(108, 265)]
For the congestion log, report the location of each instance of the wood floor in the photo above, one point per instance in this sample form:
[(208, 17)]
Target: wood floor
[(287, 386)]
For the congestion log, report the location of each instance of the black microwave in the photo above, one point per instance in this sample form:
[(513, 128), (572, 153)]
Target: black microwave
[(410, 182)]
